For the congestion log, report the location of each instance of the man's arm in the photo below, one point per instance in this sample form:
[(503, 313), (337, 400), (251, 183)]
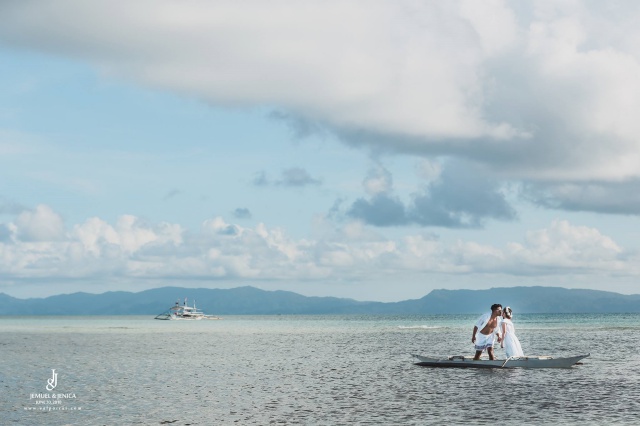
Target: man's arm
[(473, 336)]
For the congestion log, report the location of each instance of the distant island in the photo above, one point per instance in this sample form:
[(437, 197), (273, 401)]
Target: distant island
[(252, 301)]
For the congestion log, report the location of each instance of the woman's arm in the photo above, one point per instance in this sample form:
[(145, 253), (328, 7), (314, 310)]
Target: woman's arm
[(504, 334)]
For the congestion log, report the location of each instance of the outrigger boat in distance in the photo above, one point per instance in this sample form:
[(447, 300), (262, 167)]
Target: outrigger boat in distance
[(512, 362), (184, 312)]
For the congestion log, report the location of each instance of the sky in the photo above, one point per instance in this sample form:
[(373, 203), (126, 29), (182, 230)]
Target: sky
[(372, 149)]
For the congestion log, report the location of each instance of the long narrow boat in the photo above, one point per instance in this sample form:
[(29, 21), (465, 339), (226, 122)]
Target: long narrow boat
[(513, 362)]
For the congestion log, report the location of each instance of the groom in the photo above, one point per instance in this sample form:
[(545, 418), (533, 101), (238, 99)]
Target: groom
[(488, 326)]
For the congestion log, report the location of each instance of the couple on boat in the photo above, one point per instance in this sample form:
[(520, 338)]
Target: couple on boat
[(496, 323)]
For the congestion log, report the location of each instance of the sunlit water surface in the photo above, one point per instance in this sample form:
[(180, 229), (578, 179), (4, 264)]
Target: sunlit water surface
[(311, 370)]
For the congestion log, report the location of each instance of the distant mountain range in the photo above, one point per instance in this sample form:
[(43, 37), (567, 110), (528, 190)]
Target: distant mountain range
[(253, 301)]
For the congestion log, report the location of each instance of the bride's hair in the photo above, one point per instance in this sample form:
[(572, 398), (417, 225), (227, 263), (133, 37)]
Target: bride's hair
[(508, 312)]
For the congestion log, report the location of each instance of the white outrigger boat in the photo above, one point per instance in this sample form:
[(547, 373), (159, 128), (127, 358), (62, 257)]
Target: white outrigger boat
[(184, 312), (512, 362)]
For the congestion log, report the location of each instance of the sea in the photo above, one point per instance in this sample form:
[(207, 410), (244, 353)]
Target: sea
[(311, 370)]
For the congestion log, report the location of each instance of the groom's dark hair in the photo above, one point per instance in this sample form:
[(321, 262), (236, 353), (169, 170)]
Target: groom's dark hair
[(495, 306)]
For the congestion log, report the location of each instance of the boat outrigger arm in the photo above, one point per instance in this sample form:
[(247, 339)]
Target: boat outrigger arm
[(460, 361)]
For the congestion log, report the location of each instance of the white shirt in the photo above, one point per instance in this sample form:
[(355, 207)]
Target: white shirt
[(484, 319)]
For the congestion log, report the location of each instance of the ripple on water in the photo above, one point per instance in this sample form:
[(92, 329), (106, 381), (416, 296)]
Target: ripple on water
[(309, 373)]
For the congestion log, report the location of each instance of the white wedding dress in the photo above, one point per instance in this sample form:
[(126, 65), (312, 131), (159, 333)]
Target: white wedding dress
[(511, 343)]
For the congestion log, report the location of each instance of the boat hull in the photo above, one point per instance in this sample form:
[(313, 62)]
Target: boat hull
[(184, 313), (181, 318), (516, 362)]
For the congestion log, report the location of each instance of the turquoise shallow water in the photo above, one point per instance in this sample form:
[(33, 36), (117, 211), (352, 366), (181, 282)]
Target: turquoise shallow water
[(310, 370)]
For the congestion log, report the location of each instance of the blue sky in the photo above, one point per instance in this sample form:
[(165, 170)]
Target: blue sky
[(374, 150)]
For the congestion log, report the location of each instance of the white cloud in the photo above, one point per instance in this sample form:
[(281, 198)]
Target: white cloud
[(563, 246), (129, 235), (41, 224), (131, 248), (494, 23), (394, 67), (533, 91), (594, 90)]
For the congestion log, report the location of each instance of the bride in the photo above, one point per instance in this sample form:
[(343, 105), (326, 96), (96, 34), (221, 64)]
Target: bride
[(509, 339)]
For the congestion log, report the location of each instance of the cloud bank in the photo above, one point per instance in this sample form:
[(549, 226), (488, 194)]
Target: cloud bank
[(37, 245), (538, 91)]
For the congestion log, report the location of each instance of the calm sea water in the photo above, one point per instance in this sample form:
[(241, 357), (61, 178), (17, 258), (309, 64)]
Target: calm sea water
[(310, 370)]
